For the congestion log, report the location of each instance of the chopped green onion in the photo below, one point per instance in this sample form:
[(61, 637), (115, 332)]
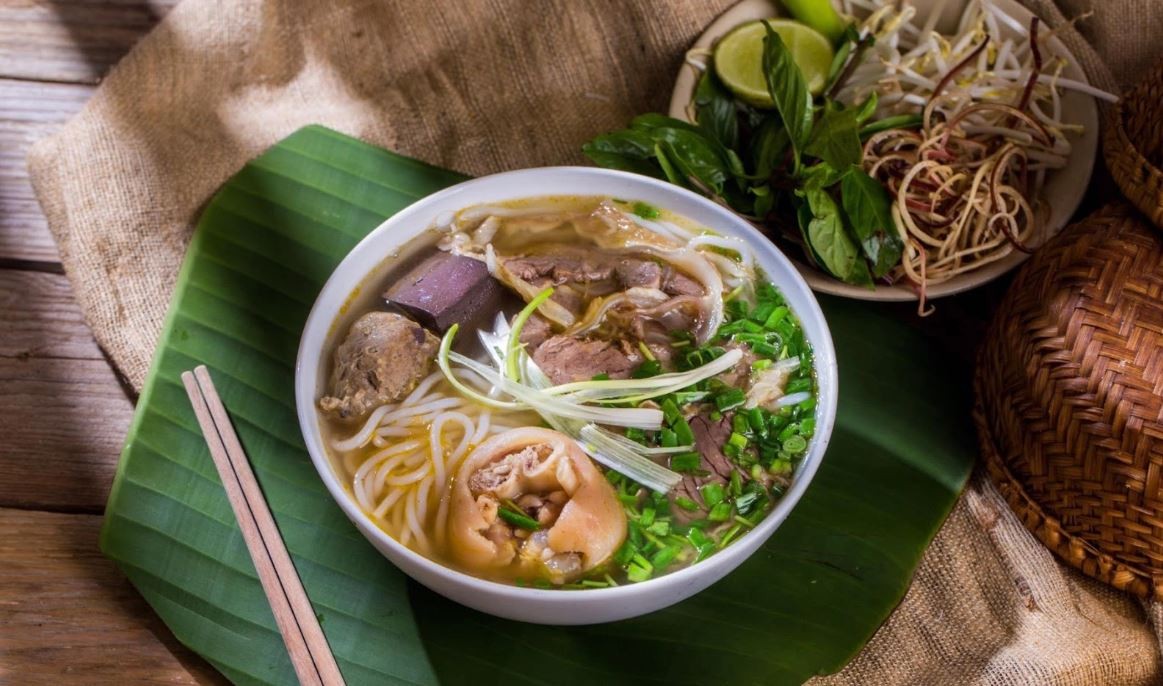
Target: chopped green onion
[(740, 423), (685, 462), (647, 369), (647, 516), (512, 356), (664, 557), (686, 503), (736, 485), (638, 574), (730, 399), (601, 376), (739, 441), (775, 317), (720, 512), (683, 430), (795, 444), (729, 536), (808, 427), (713, 494), (659, 528), (646, 211), (667, 438), (762, 311), (517, 518), (761, 364)]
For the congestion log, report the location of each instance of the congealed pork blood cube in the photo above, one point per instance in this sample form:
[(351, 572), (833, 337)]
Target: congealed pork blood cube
[(447, 289)]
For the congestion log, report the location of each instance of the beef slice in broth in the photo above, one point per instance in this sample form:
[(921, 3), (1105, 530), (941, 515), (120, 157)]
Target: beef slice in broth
[(565, 359), (383, 357)]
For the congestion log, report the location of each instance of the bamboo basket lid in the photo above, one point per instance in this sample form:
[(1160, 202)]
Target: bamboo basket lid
[(1069, 398), (1133, 145)]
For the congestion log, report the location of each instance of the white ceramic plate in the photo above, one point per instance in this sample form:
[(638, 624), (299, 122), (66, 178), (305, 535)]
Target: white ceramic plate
[(1063, 190), (530, 604)]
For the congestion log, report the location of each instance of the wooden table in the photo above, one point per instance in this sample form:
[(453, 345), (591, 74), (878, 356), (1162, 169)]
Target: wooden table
[(67, 615)]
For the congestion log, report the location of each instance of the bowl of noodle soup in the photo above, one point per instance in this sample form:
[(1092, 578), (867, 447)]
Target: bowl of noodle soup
[(409, 473)]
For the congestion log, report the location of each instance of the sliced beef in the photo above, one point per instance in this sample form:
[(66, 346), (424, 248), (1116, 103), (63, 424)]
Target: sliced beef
[(635, 273), (714, 467), (565, 359), (447, 289), (564, 266), (383, 357), (677, 283), (535, 332), (709, 439)]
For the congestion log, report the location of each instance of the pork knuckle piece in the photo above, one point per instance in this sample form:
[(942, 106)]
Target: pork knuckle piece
[(381, 360)]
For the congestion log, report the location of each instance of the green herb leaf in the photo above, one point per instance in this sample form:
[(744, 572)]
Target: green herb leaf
[(715, 111), (830, 242), (834, 138), (868, 208), (789, 90), (768, 146), (694, 154), (627, 150), (823, 175)]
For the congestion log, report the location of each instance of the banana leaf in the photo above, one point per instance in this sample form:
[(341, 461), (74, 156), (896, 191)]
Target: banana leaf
[(803, 605)]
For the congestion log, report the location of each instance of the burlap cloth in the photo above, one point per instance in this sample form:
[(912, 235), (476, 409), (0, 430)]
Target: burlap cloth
[(499, 84)]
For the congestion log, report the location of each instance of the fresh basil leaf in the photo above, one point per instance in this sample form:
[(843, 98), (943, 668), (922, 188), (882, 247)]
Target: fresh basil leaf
[(789, 90), (670, 171), (827, 236), (868, 208), (694, 155), (764, 200), (627, 150), (803, 219), (835, 139), (652, 120), (823, 175), (715, 111), (768, 146)]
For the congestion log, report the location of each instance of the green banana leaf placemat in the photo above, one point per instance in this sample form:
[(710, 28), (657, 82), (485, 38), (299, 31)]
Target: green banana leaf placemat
[(803, 605)]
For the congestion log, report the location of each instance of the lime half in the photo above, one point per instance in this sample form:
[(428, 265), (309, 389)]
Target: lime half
[(738, 58)]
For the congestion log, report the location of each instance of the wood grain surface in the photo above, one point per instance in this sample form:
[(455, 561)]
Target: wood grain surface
[(67, 615)]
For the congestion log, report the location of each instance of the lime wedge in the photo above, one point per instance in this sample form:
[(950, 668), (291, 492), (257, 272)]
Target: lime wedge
[(738, 58)]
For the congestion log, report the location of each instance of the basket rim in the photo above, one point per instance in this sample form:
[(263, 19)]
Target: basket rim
[(1069, 547), (1120, 153)]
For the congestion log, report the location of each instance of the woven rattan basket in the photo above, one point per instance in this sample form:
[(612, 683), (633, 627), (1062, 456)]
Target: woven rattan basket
[(1133, 145), (1069, 390)]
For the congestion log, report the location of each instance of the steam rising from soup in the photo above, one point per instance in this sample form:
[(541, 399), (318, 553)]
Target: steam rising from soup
[(571, 392)]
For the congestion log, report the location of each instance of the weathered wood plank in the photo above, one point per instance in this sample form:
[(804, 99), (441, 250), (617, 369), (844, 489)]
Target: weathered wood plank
[(69, 617), (72, 40), (63, 413), (28, 111)]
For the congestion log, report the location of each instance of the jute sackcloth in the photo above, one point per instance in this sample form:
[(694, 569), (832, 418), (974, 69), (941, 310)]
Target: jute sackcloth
[(492, 85)]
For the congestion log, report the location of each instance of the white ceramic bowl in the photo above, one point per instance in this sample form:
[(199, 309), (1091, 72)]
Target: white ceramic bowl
[(557, 606), (1063, 190)]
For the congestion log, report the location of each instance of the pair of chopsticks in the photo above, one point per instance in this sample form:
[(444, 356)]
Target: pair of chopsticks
[(311, 656)]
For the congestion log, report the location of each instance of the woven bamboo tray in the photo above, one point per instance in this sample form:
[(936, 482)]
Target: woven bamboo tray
[(1133, 145), (1069, 389)]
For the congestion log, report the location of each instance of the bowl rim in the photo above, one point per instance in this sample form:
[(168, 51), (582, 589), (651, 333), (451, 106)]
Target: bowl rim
[(325, 309), (1063, 205)]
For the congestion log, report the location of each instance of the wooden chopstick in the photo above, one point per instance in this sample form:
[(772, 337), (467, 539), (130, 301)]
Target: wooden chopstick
[(311, 656)]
